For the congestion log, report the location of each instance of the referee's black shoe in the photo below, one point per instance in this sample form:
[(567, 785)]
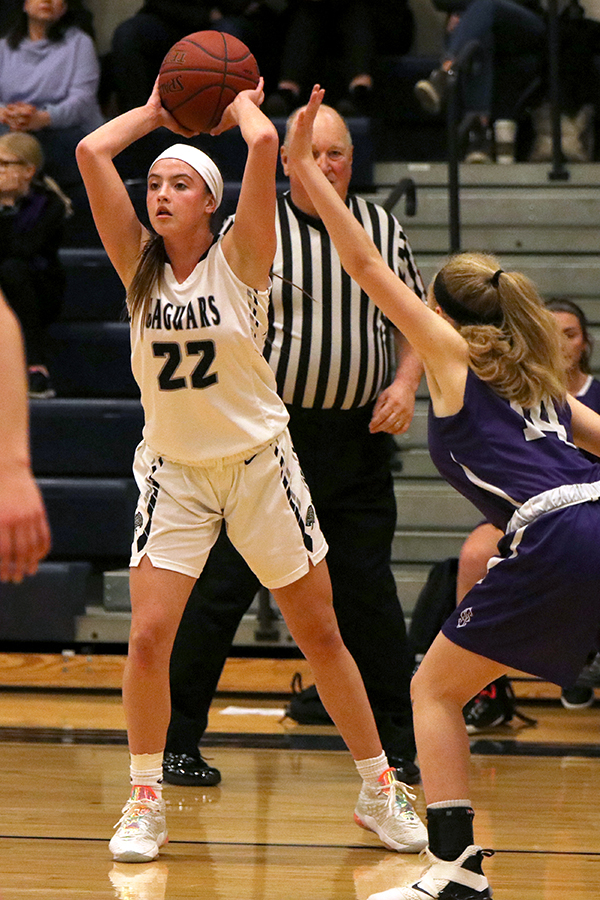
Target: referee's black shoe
[(406, 771), (182, 769)]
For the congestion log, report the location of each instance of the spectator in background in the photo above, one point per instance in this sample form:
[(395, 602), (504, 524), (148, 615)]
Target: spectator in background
[(49, 76), (336, 41), (141, 42), (506, 29), (316, 31), (32, 213), (24, 530)]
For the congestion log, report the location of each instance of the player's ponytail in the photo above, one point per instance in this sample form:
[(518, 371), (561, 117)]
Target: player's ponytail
[(148, 275), (513, 339)]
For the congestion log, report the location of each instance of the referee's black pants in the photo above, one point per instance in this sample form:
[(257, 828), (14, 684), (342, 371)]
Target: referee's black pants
[(349, 474)]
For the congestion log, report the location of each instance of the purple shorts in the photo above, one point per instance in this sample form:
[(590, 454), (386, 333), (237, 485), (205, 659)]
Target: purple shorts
[(538, 608)]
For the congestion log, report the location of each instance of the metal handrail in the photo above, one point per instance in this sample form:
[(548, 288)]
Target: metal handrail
[(558, 172), (407, 188), (460, 65)]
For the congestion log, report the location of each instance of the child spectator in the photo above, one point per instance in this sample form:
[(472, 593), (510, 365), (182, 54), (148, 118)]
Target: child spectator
[(32, 213)]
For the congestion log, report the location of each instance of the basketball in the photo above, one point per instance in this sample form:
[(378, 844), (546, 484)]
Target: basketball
[(201, 74)]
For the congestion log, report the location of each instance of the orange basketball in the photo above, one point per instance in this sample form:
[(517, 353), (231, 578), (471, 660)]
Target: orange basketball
[(201, 74)]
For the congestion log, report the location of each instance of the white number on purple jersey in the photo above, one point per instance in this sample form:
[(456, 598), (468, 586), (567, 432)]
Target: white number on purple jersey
[(541, 420)]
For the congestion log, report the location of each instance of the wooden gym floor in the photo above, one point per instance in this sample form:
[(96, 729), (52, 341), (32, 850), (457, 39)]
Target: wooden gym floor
[(280, 825)]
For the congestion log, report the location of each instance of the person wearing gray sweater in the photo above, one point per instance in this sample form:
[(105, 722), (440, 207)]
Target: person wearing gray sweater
[(49, 76)]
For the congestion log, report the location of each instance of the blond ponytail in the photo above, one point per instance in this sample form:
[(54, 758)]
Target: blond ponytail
[(520, 355)]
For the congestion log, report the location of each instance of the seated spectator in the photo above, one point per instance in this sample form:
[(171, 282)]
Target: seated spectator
[(49, 76), (506, 29), (32, 213), (488, 708), (337, 40), (141, 42)]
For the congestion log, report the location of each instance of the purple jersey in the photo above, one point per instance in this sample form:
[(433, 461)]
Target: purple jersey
[(590, 394), (498, 455)]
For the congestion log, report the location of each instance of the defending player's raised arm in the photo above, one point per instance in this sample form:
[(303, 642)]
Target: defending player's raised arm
[(250, 244), (434, 339), (119, 228)]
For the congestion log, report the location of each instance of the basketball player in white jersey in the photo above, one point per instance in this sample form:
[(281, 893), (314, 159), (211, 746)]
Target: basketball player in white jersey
[(215, 447)]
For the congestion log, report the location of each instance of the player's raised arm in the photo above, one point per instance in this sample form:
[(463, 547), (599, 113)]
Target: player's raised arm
[(120, 230), (250, 244), (433, 338)]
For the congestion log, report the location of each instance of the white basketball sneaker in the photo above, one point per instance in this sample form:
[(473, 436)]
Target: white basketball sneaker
[(141, 830), (447, 880), (387, 811)]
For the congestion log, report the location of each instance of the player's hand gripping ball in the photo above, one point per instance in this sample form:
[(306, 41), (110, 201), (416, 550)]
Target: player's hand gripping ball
[(201, 74)]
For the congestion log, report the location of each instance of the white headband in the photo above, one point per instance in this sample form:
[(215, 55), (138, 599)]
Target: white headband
[(200, 162)]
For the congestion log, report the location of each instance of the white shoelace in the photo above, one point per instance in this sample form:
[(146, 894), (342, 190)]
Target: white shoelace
[(133, 809), (391, 787)]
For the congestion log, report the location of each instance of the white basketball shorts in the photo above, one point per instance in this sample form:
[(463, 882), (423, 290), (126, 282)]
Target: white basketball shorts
[(264, 500)]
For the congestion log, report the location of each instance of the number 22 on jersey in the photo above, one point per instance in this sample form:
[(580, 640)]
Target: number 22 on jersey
[(200, 378)]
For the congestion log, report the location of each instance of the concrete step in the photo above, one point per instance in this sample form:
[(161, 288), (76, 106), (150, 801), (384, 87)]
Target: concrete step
[(416, 436), (426, 546), (99, 625), (435, 174), (433, 506), (546, 228), (416, 463), (554, 275)]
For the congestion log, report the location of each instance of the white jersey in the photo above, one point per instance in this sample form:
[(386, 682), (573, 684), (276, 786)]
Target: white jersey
[(208, 393)]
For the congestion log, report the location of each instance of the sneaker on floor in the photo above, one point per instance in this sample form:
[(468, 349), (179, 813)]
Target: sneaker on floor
[(492, 706), (386, 810), (40, 385), (577, 697), (480, 143), (431, 92), (147, 882), (461, 879), (141, 830)]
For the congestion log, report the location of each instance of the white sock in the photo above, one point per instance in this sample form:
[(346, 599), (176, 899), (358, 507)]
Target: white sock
[(145, 769), (372, 769)]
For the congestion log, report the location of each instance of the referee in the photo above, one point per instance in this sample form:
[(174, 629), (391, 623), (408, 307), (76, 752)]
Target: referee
[(348, 380)]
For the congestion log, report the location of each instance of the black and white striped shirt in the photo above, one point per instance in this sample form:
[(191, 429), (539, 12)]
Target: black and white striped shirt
[(328, 344)]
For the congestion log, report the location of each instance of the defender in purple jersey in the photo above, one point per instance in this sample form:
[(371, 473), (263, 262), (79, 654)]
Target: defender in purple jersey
[(504, 432), (494, 704)]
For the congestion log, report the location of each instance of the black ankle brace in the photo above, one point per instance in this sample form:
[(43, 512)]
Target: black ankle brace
[(451, 832)]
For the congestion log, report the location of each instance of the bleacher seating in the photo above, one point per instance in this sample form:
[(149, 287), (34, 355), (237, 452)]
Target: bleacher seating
[(83, 441)]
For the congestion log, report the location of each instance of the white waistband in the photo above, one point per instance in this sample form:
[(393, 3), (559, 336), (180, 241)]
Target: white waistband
[(555, 498)]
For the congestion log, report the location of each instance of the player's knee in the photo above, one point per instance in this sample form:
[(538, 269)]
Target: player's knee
[(322, 640), (148, 644)]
